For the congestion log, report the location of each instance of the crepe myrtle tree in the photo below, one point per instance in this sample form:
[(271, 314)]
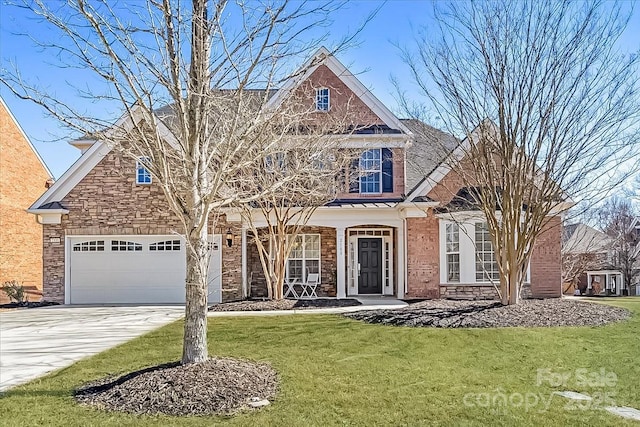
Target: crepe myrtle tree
[(544, 105), (184, 74), (303, 171)]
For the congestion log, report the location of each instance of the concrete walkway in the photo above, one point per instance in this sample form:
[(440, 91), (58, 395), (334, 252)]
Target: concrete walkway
[(368, 303), (36, 341)]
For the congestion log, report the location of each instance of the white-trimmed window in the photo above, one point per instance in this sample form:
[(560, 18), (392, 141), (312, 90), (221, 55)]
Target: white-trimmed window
[(452, 250), (486, 263), (304, 257), (143, 176), (371, 171), (322, 99)]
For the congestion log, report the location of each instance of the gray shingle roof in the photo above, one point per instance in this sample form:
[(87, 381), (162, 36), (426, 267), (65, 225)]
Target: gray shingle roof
[(429, 149)]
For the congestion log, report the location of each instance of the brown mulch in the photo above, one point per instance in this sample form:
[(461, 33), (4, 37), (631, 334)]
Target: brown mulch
[(284, 304), (218, 386), (492, 314)]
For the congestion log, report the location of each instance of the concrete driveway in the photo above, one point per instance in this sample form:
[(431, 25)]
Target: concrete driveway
[(36, 341)]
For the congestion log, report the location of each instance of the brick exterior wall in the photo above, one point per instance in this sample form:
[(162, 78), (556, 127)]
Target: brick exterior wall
[(22, 181), (328, 264), (546, 262), (423, 258), (423, 274), (109, 202), (344, 104)]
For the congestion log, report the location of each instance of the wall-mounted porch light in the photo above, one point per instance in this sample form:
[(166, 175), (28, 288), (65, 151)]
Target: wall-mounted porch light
[(229, 237)]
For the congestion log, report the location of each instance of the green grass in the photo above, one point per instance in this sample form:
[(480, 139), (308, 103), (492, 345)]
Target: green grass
[(336, 371)]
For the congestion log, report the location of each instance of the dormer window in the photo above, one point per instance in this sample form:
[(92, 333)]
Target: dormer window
[(322, 99), (143, 176)]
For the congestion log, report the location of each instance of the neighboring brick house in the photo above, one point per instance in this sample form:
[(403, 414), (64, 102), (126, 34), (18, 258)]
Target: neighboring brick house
[(109, 236), (23, 178)]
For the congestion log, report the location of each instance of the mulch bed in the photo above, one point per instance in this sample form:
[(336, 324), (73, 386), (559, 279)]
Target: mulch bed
[(218, 386), (492, 314), (284, 304), (27, 304)]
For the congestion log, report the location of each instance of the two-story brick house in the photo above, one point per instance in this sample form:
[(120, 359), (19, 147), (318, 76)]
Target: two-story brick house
[(23, 177), (110, 237)]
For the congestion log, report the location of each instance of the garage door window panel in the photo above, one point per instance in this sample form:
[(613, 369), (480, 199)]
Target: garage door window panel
[(90, 246), (125, 246), (167, 245)]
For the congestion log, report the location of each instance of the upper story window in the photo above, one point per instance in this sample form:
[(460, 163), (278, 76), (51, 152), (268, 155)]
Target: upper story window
[(371, 171), (322, 99), (143, 176), (275, 162)]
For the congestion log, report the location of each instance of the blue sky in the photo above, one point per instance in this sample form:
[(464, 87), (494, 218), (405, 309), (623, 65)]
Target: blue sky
[(373, 60)]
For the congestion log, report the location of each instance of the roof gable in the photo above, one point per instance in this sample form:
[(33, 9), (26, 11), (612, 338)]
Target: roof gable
[(321, 68), (92, 156)]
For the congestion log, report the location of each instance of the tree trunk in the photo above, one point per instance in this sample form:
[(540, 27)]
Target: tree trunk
[(195, 323)]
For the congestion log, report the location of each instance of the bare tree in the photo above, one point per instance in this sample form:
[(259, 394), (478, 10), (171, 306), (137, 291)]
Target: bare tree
[(197, 63), (544, 104), (617, 218), (300, 174)]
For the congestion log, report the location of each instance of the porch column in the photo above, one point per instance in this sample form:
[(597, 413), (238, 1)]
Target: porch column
[(402, 264), (341, 282), (244, 263)]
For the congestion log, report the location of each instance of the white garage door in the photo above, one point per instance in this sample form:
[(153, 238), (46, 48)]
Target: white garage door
[(134, 269)]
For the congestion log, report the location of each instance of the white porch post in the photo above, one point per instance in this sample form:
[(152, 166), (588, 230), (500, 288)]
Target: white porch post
[(341, 282), (402, 265), (245, 287)]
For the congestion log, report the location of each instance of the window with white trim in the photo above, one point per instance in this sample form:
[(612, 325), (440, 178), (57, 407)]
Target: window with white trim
[(486, 263), (452, 250), (371, 171), (304, 257), (143, 176), (322, 99)]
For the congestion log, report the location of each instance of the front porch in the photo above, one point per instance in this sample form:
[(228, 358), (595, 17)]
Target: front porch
[(352, 261)]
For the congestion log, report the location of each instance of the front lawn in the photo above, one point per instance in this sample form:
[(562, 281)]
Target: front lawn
[(336, 371)]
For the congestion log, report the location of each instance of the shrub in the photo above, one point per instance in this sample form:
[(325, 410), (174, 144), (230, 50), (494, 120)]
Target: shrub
[(15, 291)]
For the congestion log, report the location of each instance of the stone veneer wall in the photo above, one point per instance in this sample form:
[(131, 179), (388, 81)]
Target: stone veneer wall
[(469, 292), (328, 264), (109, 202)]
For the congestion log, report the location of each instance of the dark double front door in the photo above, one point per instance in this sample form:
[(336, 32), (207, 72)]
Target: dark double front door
[(370, 260)]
